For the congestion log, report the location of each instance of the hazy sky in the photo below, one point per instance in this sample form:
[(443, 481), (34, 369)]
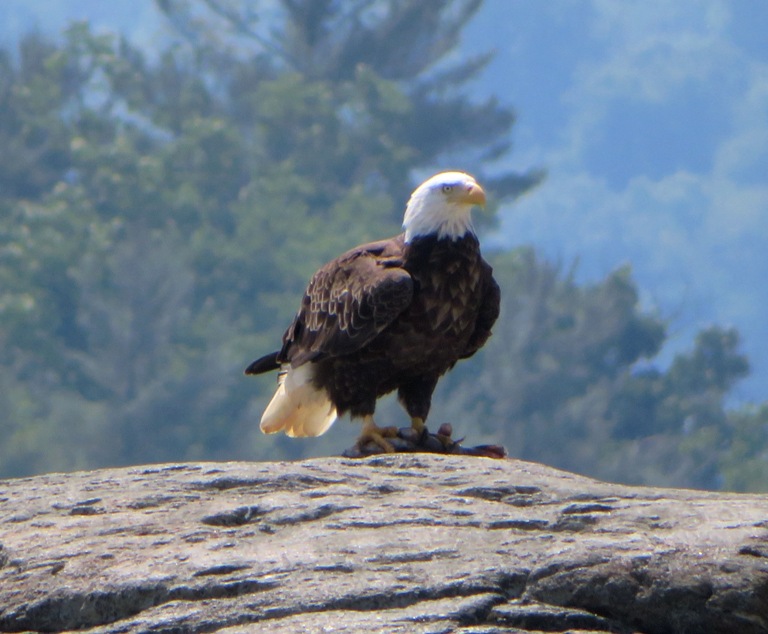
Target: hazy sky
[(651, 118)]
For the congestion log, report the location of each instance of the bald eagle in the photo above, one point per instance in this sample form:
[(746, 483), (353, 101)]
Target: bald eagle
[(390, 315)]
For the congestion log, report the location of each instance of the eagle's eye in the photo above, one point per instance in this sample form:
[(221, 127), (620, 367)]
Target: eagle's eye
[(447, 189)]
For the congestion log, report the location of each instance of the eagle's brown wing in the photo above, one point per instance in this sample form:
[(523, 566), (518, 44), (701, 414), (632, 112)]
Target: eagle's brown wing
[(488, 313), (348, 302)]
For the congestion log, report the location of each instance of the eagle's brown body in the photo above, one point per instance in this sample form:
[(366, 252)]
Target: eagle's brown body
[(443, 302), (389, 315)]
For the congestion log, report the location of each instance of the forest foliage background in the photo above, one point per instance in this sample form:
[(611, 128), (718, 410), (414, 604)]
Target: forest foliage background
[(161, 212)]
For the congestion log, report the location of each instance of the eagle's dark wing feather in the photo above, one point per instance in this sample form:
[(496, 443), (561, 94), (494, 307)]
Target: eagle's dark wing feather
[(489, 312), (347, 303)]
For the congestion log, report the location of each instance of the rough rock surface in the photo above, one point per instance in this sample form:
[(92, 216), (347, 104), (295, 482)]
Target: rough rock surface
[(399, 543)]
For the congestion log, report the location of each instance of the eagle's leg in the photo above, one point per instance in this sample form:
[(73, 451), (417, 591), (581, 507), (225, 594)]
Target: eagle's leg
[(379, 435), (418, 424), (416, 397)]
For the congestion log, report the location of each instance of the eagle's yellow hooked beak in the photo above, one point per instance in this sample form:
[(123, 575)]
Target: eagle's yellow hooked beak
[(473, 194)]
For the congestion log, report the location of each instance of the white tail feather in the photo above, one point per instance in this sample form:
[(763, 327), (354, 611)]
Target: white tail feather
[(298, 407)]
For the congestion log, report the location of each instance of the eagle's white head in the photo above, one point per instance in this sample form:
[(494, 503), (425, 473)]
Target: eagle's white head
[(442, 205)]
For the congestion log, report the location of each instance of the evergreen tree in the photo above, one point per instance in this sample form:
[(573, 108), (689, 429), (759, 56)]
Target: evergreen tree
[(743, 464), (570, 380), (385, 69), (160, 216), (163, 217)]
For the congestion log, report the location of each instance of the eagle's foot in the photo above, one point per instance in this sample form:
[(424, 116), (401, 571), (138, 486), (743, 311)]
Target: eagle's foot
[(377, 440), (377, 435), (418, 425)]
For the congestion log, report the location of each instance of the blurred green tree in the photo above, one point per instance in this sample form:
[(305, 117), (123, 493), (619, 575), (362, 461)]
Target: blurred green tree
[(160, 215), (385, 73), (743, 466), (570, 381)]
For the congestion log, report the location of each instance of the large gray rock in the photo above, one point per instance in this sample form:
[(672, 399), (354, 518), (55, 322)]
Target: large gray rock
[(401, 543)]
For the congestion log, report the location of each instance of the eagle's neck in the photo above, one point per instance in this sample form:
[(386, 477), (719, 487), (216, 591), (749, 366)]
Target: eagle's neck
[(430, 251), (425, 218)]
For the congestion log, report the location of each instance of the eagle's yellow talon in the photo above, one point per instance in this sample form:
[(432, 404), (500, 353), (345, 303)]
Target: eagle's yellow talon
[(378, 435), (418, 425)]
